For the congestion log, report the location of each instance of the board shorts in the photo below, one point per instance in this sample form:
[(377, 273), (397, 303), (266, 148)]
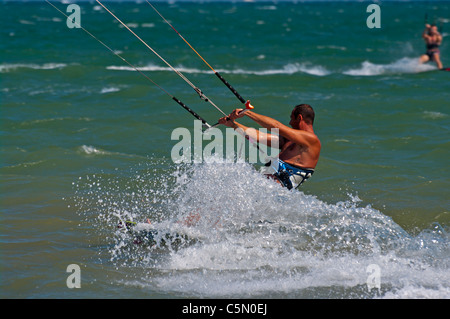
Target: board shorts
[(431, 54), (432, 49), (290, 176)]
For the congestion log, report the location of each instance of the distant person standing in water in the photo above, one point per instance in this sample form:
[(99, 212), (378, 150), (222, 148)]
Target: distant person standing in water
[(433, 40)]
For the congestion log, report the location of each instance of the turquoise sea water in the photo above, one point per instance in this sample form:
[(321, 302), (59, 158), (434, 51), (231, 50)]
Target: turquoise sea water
[(86, 142)]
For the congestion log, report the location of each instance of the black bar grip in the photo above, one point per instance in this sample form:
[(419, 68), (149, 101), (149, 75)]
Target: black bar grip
[(230, 87), (198, 117)]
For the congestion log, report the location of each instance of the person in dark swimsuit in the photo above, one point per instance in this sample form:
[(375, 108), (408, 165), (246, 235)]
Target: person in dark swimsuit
[(433, 40)]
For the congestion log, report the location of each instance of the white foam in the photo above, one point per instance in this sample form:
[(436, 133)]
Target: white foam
[(26, 22), (434, 115), (255, 238), (91, 150), (419, 292), (54, 119), (268, 7), (109, 90), (404, 65), (334, 47), (6, 67), (147, 25), (291, 68)]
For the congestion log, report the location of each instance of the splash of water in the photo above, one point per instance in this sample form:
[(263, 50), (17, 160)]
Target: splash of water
[(291, 68), (226, 230), (404, 65)]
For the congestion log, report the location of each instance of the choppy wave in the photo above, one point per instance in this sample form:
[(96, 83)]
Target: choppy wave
[(96, 151), (55, 119), (434, 115), (91, 150), (404, 65), (367, 68), (6, 67), (109, 90), (248, 237), (287, 69)]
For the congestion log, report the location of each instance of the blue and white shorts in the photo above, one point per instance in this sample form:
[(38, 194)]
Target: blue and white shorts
[(289, 175)]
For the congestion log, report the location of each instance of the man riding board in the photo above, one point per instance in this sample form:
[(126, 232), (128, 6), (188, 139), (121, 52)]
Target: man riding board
[(433, 40)]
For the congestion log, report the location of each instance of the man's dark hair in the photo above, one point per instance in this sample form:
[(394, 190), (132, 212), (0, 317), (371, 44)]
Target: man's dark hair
[(306, 111)]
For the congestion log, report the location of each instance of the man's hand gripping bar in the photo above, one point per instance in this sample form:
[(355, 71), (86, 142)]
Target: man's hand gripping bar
[(248, 107)]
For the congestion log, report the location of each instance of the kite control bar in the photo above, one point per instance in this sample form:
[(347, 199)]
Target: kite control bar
[(248, 107)]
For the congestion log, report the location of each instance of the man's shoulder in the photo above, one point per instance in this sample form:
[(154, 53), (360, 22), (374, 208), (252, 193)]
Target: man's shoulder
[(311, 136), (306, 137)]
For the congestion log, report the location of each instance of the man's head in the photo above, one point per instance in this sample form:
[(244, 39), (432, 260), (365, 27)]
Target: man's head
[(302, 112)]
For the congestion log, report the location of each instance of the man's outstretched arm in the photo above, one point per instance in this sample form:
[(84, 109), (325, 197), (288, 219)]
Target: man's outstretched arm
[(425, 32), (268, 139), (296, 136)]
